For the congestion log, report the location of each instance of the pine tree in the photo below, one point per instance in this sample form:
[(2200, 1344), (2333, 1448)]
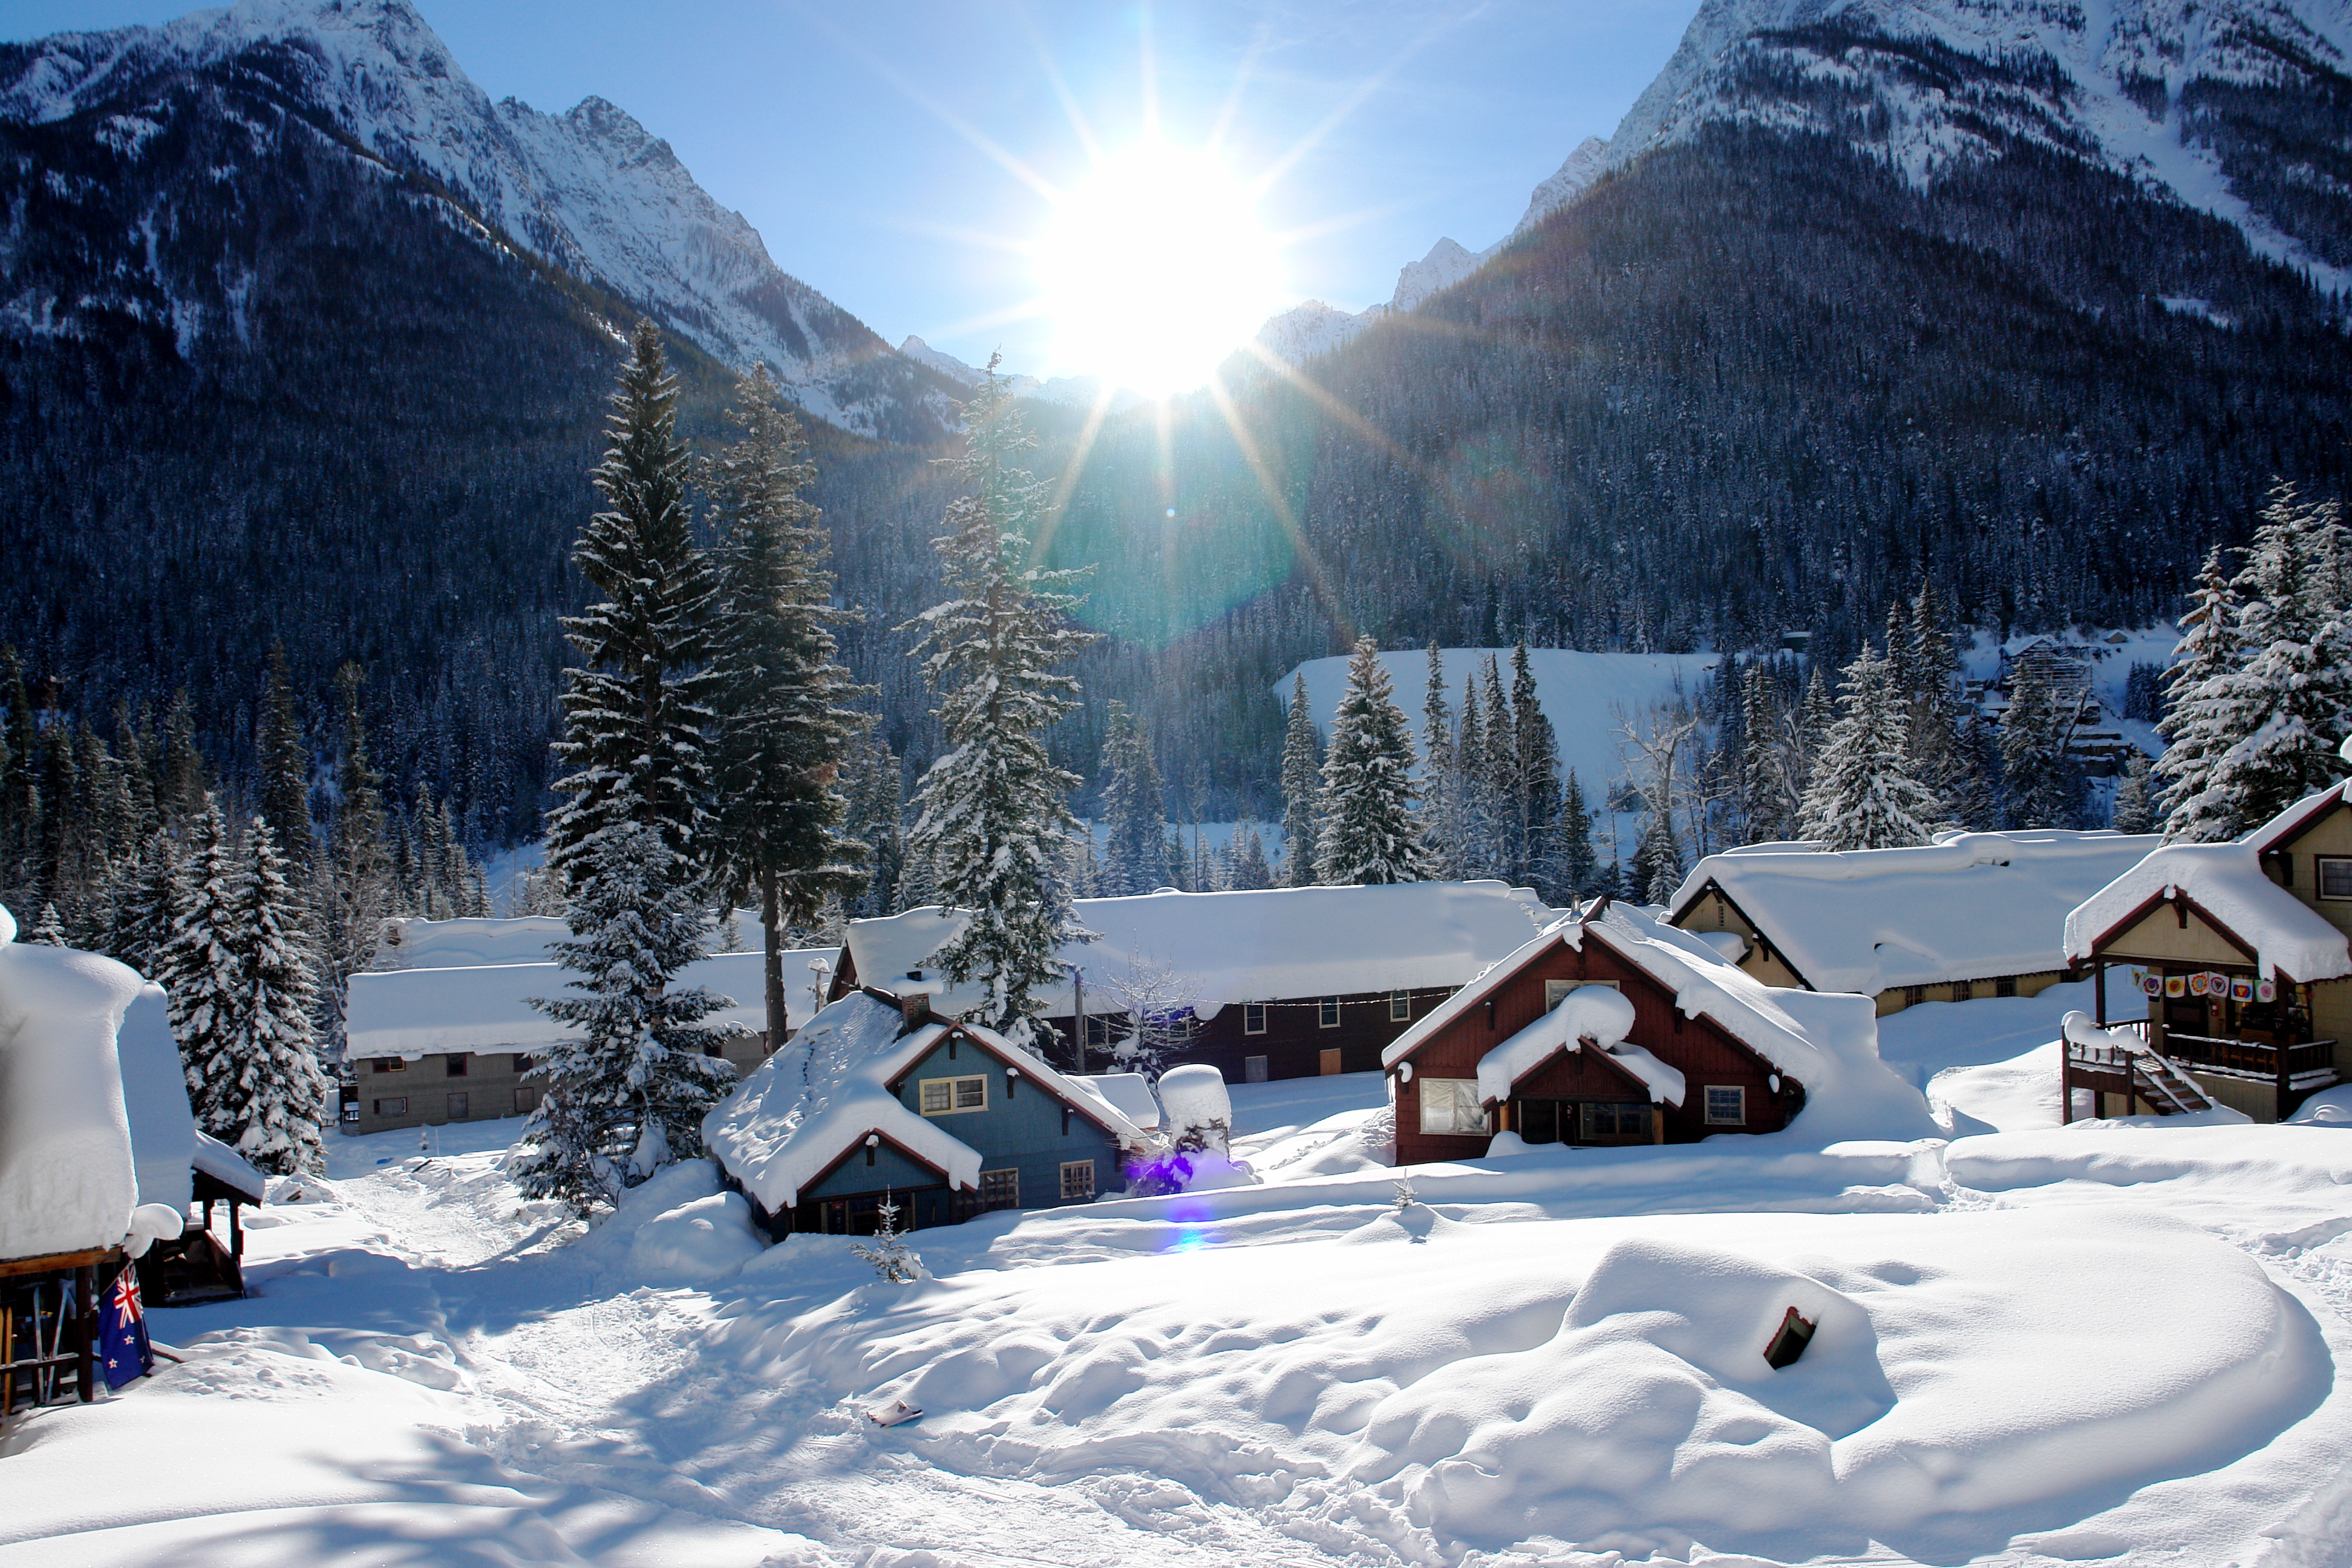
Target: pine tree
[(1369, 832), (877, 805), (2135, 808), (626, 1091), (1934, 697), (1440, 779), (282, 1091), (1767, 805), (2045, 785), (1657, 859), (20, 789), (1535, 779), (182, 788), (1250, 869), (1302, 789), (2200, 725), (141, 911), (1817, 715), (994, 812), (634, 713), (359, 883), (49, 930), (1135, 857), (1862, 796), (284, 758), (62, 831), (1579, 873), (203, 971), (778, 689), (1498, 763)]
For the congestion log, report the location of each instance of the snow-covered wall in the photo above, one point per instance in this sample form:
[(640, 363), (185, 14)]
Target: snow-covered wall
[(67, 1180)]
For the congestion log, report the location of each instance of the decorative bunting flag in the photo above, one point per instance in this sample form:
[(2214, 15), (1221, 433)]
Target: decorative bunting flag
[(2241, 988), (2176, 985), (2152, 984), (2267, 991), (2200, 983)]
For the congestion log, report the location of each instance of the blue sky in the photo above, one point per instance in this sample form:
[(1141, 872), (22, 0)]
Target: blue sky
[(852, 136)]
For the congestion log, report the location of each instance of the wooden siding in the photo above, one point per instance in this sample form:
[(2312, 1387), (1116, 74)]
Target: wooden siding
[(1701, 1049), (1294, 1041), (1712, 910), (488, 1084)]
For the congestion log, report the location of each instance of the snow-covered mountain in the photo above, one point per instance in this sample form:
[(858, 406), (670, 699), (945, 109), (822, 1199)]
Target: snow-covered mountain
[(2240, 109), (590, 192), (1077, 391)]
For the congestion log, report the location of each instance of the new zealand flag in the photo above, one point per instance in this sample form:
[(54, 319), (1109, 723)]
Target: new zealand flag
[(122, 1331)]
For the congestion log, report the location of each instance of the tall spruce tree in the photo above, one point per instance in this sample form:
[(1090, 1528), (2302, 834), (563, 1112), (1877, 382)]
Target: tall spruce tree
[(1302, 789), (1935, 671), (203, 972), (1250, 870), (994, 812), (20, 788), (2135, 805), (285, 758), (634, 708), (1369, 832), (182, 790), (783, 732), (2045, 784), (279, 1098), (877, 805), (1861, 795), (1135, 853), (1535, 780), (626, 1089), (1441, 781), (358, 882), (1579, 873), (141, 911)]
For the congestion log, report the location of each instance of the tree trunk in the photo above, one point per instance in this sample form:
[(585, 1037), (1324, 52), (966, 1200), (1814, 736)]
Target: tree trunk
[(771, 966)]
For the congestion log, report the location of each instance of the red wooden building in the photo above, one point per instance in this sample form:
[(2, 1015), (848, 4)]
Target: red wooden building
[(1698, 1047)]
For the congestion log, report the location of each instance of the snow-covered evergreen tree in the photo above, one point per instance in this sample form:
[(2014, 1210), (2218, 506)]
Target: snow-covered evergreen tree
[(1766, 803), (2045, 785), (1441, 777), (877, 805), (1934, 676), (1369, 832), (140, 918), (1863, 795), (50, 928), (183, 790), (203, 971), (625, 1091), (1809, 736), (1250, 869), (1535, 781), (284, 758), (2200, 723), (994, 812), (634, 709), (1135, 857), (2135, 805), (777, 689), (279, 1093), (1302, 789), (357, 884)]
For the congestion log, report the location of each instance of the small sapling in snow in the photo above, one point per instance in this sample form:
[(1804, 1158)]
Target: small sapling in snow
[(1405, 1197), (892, 1259)]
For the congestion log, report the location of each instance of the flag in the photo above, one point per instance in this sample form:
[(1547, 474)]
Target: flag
[(122, 1331)]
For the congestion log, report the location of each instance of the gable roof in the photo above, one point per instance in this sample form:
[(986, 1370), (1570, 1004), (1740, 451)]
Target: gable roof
[(829, 1087), (1966, 907), (1220, 948), (2227, 882), (1827, 1041)]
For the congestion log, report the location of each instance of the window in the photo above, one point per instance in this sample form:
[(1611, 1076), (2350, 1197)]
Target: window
[(1726, 1105), (1000, 1190), (713, 1049), (1451, 1105), (1328, 1062), (1962, 991), (949, 1096), (526, 1100), (521, 1063), (458, 1109), (1078, 1181), (390, 1063), (1914, 994), (2005, 985), (1253, 1070), (1618, 1120), (392, 1107), (1252, 1017), (1400, 1007), (1555, 990), (1327, 1013), (2336, 877), (454, 1065)]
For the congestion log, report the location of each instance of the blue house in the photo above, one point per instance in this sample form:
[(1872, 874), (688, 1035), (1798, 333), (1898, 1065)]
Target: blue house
[(876, 1099)]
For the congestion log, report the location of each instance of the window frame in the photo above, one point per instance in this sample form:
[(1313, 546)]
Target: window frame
[(1400, 1007), (1252, 1017), (1588, 1112), (1070, 1168), (390, 1063), (952, 1086), (1455, 1107), (1009, 1176), (455, 1065), (2321, 865), (1708, 1101), (1327, 1012), (399, 1103)]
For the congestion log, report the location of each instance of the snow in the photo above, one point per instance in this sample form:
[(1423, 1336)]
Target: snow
[(1220, 948), (2328, 1108), (410, 942), (225, 1165), (1195, 1097), (679, 1228), (67, 1181), (2227, 881), (1600, 1014), (487, 1007), (1827, 1041), (1129, 1093), (155, 1100), (1966, 907), (1580, 693)]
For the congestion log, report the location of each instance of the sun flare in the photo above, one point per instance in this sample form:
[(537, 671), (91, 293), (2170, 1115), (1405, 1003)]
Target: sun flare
[(1154, 268)]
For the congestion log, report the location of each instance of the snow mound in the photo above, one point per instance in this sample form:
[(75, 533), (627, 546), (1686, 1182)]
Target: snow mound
[(67, 1179), (678, 1227), (2328, 1108), (1194, 1096), (155, 1099)]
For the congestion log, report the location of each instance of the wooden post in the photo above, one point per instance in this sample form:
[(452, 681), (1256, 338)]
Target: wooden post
[(86, 1300), (2099, 991)]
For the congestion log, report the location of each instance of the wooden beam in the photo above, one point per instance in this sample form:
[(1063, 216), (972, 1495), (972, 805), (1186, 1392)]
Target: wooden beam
[(55, 1263)]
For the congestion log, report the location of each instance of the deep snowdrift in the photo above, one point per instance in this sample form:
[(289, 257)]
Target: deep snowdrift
[(67, 1182)]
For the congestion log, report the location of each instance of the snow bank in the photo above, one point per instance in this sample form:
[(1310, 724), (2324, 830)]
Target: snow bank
[(1129, 1093), (67, 1183), (1219, 949), (2328, 1108), (226, 1166), (487, 1007), (1969, 906), (678, 1227), (155, 1099), (1600, 1382), (412, 942), (1195, 1097), (2227, 881), (1597, 1013)]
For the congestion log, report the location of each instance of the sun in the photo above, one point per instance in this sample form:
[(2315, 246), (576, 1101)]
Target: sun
[(1154, 268)]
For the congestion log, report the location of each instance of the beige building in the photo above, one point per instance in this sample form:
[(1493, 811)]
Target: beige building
[(2231, 963), (1971, 915)]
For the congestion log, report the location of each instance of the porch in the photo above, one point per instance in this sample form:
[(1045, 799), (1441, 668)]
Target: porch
[(2246, 1039)]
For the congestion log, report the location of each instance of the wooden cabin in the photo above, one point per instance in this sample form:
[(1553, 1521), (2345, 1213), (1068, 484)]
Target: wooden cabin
[(2232, 963)]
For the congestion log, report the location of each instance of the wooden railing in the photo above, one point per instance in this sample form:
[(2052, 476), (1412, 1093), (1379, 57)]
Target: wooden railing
[(2301, 1065)]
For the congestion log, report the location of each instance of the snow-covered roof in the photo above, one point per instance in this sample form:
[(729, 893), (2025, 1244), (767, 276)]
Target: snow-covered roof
[(67, 1183), (1218, 949), (1827, 1041), (2227, 881), (155, 1099), (409, 941), (1129, 1093), (1969, 906), (829, 1087), (487, 1007), (226, 1166), (1597, 1013)]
